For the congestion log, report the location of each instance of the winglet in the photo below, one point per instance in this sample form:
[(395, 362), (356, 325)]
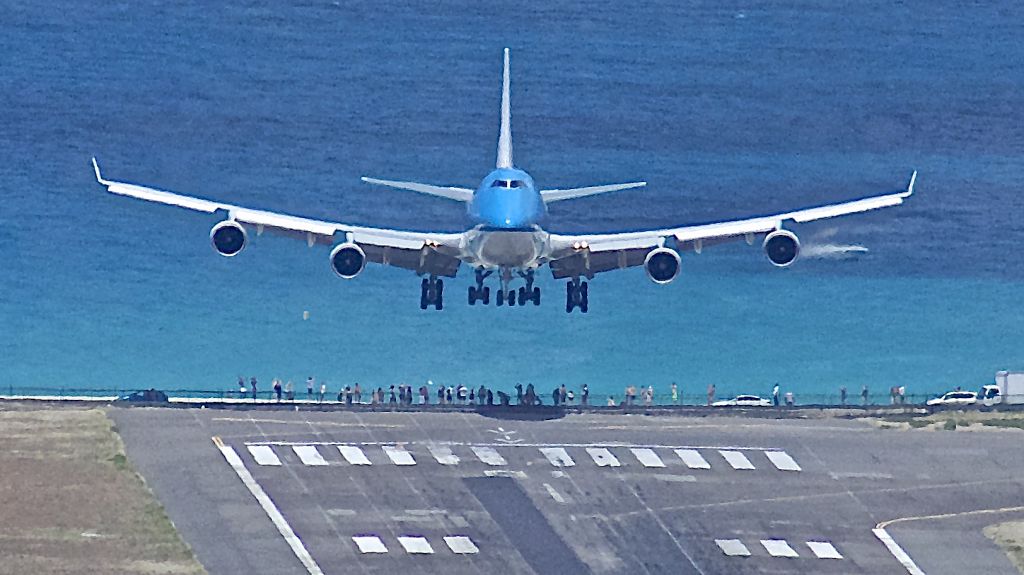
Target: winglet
[(910, 186), (96, 168)]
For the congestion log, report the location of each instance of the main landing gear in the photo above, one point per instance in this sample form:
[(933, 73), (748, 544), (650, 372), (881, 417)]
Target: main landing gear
[(576, 296), (480, 293), (432, 293)]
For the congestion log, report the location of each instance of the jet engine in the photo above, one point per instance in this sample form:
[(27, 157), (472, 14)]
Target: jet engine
[(662, 265), (347, 260), (228, 238), (782, 247)]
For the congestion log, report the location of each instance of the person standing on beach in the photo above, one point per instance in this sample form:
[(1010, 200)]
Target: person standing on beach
[(252, 384), (585, 395), (649, 395), (711, 393), (277, 389), (842, 395), (323, 390), (775, 395), (519, 394), (358, 391), (864, 394), (309, 387), (241, 387), (611, 401), (675, 394)]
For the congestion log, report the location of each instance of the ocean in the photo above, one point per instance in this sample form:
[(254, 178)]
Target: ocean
[(727, 109)]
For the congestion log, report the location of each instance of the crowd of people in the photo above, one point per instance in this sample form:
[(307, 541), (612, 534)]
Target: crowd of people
[(404, 395)]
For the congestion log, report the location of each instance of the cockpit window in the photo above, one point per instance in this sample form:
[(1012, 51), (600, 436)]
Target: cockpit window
[(506, 184)]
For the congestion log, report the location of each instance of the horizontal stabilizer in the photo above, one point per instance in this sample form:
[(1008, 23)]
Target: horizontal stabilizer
[(452, 193), (569, 193)]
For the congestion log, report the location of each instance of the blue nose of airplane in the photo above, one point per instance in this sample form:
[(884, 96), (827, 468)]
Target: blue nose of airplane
[(508, 209)]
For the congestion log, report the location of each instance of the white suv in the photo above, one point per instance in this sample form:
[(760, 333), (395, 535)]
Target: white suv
[(955, 398)]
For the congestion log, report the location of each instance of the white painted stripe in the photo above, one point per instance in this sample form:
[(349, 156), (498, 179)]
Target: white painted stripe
[(782, 460), (443, 455), (824, 550), (370, 544), (353, 455), (554, 494), (488, 455), (693, 459), (271, 510), (558, 456), (309, 455), (264, 455), (398, 455), (602, 457), (779, 548), (504, 473), (416, 545), (898, 552), (737, 460), (733, 547), (647, 457), (461, 545)]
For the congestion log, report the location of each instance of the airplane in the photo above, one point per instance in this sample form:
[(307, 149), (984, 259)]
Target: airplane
[(508, 237)]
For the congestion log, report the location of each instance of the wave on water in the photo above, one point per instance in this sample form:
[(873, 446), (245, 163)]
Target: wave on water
[(833, 251)]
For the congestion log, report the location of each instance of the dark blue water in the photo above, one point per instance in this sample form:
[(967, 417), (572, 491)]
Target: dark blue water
[(727, 109)]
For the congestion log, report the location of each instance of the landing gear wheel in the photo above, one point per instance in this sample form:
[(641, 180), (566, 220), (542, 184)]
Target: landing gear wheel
[(439, 295), (536, 296), (511, 297), (584, 303), (501, 298), (472, 295), (569, 297), (487, 295), (522, 296), (423, 293)]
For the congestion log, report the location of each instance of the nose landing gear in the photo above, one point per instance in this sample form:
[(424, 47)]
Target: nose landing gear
[(576, 296), (432, 293)]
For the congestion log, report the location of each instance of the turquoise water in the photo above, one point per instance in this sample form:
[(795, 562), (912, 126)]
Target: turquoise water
[(727, 110)]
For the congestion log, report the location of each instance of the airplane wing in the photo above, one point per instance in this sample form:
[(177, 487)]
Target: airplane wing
[(570, 193), (450, 192), (423, 252), (591, 253)]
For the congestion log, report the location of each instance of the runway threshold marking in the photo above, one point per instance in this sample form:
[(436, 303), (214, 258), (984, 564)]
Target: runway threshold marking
[(297, 547), (693, 459), (370, 544), (416, 545), (264, 455), (489, 455), (824, 550), (309, 455), (602, 457), (558, 456), (736, 459), (443, 455), (733, 547), (647, 457), (779, 548), (461, 545), (782, 461), (554, 494), (353, 455), (897, 551), (398, 455)]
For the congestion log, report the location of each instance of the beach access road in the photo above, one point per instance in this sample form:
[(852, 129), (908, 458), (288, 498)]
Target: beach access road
[(307, 492)]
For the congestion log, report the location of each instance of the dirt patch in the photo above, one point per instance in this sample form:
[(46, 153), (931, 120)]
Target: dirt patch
[(71, 502), (1010, 537)]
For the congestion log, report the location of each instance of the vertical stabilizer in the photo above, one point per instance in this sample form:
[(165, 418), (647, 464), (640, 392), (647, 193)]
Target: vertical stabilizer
[(505, 137)]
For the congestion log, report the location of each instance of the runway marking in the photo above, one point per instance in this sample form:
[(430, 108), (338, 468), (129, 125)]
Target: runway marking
[(733, 547), (353, 455), (305, 423), (554, 494), (779, 548), (537, 445), (558, 456), (269, 508), (416, 545), (309, 455), (736, 459), (824, 550), (370, 544), (647, 457), (264, 455), (693, 459), (398, 455), (461, 545), (885, 524), (444, 455), (782, 460), (504, 473), (602, 457), (897, 551), (489, 455)]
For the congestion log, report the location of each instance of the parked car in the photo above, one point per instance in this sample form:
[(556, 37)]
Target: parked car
[(955, 398), (744, 401)]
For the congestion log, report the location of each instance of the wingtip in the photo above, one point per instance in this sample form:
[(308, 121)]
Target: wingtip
[(96, 169), (910, 186)]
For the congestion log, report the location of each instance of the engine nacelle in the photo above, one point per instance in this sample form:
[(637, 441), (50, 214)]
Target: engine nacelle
[(228, 238), (782, 247), (347, 260), (662, 265)]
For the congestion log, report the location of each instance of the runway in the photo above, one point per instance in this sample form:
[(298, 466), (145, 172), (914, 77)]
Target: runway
[(315, 492)]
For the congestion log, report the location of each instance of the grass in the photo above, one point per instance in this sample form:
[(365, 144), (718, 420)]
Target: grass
[(73, 503)]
